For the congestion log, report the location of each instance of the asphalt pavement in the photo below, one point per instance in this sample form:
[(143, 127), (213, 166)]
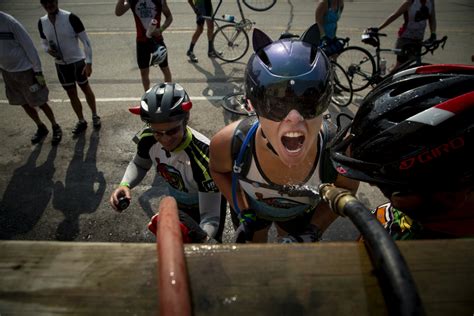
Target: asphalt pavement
[(62, 192)]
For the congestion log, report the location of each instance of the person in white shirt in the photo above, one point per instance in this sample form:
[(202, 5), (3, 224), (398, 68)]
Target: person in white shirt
[(22, 73), (60, 33)]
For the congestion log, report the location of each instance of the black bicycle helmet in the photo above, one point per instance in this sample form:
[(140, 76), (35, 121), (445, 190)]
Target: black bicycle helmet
[(413, 133), (290, 73), (164, 102)]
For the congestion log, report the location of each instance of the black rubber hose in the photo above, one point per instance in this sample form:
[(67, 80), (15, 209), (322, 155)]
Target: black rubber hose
[(398, 288)]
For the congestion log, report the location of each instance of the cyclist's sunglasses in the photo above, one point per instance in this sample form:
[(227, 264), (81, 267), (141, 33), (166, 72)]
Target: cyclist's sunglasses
[(170, 132), (276, 109)]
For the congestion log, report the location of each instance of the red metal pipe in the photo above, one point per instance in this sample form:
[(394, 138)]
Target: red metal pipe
[(173, 286)]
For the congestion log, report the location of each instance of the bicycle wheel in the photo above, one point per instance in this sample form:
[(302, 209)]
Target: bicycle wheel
[(342, 96), (259, 5), (230, 43), (359, 65), (235, 103)]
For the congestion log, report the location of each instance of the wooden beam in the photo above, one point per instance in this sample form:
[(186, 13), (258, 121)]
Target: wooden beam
[(332, 278)]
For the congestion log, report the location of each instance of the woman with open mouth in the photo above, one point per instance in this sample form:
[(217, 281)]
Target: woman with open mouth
[(269, 166)]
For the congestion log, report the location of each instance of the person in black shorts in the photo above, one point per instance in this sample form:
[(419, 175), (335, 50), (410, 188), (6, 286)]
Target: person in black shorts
[(201, 7), (151, 49), (24, 82), (72, 63)]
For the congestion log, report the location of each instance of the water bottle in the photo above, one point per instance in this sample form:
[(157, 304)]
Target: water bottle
[(383, 66), (35, 88), (151, 28), (228, 17), (123, 203)]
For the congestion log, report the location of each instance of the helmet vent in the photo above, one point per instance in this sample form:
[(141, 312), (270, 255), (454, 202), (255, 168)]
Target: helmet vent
[(264, 58), (312, 56)]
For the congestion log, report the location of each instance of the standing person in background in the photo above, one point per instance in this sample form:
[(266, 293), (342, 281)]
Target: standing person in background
[(149, 45), (24, 82), (328, 13), (60, 31), (201, 7), (411, 33)]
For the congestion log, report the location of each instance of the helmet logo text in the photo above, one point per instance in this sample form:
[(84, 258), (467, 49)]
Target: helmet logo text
[(428, 155)]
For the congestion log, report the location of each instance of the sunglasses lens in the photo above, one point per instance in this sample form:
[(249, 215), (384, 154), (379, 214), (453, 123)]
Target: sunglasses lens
[(169, 132), (276, 109)]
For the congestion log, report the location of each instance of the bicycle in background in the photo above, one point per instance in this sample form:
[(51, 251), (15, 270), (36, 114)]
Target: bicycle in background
[(364, 68), (230, 41)]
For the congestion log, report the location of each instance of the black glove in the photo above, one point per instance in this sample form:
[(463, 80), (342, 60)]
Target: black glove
[(195, 233), (190, 230), (373, 29), (432, 37)]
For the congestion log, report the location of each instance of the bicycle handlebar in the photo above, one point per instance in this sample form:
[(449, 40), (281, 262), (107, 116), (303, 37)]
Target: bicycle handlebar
[(431, 46)]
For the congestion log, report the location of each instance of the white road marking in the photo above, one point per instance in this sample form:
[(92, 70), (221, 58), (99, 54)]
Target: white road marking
[(131, 99)]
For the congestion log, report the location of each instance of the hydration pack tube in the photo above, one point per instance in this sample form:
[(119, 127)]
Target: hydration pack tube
[(237, 168)]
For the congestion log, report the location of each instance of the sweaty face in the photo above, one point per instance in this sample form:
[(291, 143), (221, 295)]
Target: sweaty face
[(293, 137), (169, 134)]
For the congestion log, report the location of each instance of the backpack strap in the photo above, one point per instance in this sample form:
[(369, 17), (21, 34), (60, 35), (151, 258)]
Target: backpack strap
[(243, 134)]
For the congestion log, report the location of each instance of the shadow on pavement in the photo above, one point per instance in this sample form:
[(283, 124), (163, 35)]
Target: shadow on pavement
[(82, 190), (27, 195)]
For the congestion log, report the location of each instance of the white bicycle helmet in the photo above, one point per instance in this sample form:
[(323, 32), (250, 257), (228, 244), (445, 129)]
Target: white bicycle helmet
[(158, 56)]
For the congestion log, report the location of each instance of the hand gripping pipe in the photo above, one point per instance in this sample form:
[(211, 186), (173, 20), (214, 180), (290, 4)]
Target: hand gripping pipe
[(395, 280), (172, 275)]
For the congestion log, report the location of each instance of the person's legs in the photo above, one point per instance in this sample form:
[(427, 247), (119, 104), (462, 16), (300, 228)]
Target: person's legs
[(75, 102), (210, 33), (143, 61), (22, 89), (167, 74), (194, 39), (90, 97), (57, 132), (33, 113), (145, 74), (49, 113), (42, 130)]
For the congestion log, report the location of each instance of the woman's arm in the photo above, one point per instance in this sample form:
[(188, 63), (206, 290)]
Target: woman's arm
[(321, 11), (168, 18), (403, 8), (432, 19)]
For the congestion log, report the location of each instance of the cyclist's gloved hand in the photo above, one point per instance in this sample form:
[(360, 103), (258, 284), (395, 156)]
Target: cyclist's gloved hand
[(40, 78), (373, 29), (190, 230), (311, 234), (432, 37)]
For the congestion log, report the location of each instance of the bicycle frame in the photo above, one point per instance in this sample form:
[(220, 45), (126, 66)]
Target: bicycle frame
[(215, 19), (412, 61)]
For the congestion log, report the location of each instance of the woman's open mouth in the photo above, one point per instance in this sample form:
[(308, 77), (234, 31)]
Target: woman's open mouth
[(293, 141)]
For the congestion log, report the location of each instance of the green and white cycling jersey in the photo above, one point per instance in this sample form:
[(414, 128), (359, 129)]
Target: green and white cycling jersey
[(186, 172)]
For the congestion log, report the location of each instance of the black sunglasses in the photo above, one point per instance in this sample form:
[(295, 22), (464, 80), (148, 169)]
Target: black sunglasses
[(277, 108), (170, 132)]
